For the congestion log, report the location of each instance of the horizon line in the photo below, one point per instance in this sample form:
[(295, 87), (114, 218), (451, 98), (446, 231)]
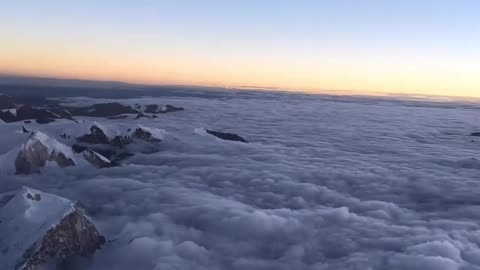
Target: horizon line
[(353, 93)]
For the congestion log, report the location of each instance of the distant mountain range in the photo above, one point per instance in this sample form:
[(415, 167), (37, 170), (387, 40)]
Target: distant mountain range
[(14, 85), (28, 80)]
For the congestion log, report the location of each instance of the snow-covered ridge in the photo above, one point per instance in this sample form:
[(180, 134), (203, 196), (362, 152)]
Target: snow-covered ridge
[(51, 144), (37, 152), (27, 216), (37, 226)]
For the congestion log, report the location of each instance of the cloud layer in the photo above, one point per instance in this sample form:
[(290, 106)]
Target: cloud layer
[(323, 184)]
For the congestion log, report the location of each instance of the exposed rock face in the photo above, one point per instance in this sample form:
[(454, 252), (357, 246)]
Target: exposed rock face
[(96, 136), (96, 159), (7, 102), (73, 236), (112, 143), (78, 148), (226, 136), (40, 149), (476, 134), (24, 130), (153, 108), (144, 134), (103, 146), (99, 135), (38, 226)]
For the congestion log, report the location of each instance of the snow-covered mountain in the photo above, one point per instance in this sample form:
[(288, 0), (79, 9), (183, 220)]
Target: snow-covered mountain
[(36, 227), (37, 152)]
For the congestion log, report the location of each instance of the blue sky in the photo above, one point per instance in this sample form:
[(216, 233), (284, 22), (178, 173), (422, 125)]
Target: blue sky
[(401, 37)]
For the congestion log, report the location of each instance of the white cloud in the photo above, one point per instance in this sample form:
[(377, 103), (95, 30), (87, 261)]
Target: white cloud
[(323, 184)]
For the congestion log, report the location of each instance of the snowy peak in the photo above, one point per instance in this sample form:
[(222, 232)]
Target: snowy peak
[(50, 143), (36, 225), (30, 202), (27, 216), (38, 151)]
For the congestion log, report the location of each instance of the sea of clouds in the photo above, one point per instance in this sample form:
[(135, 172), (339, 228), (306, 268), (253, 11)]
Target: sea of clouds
[(325, 183)]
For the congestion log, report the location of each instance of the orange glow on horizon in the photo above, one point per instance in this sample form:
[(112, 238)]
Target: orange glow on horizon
[(315, 73)]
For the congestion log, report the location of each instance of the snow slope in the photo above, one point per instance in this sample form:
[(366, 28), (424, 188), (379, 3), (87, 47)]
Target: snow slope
[(27, 216), (51, 144)]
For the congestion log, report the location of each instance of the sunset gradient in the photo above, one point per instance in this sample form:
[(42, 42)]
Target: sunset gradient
[(420, 47)]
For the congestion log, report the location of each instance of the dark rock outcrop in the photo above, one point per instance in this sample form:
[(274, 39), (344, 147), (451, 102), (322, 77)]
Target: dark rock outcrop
[(153, 108), (28, 112), (96, 136), (475, 134), (78, 148), (145, 135), (106, 151), (114, 148), (226, 136), (24, 130), (10, 111), (100, 150)]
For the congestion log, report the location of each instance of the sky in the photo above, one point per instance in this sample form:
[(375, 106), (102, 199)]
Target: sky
[(420, 47)]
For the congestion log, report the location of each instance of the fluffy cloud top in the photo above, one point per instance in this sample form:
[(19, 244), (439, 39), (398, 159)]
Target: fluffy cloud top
[(323, 184)]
